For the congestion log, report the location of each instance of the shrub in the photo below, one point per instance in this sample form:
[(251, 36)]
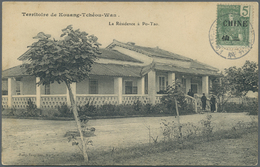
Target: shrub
[(207, 126), (137, 106), (107, 110), (31, 109), (87, 110), (251, 107), (65, 111)]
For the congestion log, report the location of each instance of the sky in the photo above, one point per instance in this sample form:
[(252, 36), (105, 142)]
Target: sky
[(181, 28)]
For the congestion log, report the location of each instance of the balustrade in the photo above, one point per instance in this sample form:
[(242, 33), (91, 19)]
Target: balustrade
[(97, 100), (158, 98), (4, 101), (53, 101), (21, 101), (130, 99)]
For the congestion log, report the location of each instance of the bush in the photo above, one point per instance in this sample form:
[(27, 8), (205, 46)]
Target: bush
[(250, 107), (87, 110), (31, 109), (65, 111)]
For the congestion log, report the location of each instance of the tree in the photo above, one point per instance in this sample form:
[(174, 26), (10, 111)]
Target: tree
[(236, 82), (243, 79), (66, 60), (175, 98)]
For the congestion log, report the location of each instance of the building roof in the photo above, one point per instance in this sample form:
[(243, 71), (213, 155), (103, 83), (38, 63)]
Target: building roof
[(193, 71), (97, 69), (105, 54), (160, 53), (115, 55), (194, 67), (152, 52)]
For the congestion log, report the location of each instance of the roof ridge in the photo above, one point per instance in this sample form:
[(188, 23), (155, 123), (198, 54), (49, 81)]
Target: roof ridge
[(11, 68)]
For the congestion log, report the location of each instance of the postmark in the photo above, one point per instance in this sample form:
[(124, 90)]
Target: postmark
[(232, 35)]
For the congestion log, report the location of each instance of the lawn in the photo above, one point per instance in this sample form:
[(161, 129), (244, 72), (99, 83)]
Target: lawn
[(38, 142)]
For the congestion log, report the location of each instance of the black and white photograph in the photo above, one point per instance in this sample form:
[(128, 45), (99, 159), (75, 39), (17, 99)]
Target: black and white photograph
[(130, 83)]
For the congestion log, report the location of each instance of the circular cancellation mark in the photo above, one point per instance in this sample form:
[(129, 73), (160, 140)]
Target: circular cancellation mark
[(229, 43)]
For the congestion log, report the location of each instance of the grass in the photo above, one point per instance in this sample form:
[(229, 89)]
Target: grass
[(119, 155)]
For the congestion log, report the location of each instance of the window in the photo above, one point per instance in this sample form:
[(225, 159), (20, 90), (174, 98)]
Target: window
[(93, 86), (47, 89), (130, 88), (162, 83)]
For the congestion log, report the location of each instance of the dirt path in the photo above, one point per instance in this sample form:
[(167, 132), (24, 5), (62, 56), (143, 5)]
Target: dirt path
[(23, 140)]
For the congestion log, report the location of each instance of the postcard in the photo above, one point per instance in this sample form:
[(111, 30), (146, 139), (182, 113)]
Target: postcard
[(130, 83)]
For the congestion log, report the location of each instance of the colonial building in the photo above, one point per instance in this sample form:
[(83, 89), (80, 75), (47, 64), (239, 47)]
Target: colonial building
[(123, 73)]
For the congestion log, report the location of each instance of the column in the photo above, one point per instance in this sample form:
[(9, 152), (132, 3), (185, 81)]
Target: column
[(141, 86), (188, 84), (38, 93), (205, 85), (171, 78), (118, 87), (152, 86), (11, 91), (73, 89)]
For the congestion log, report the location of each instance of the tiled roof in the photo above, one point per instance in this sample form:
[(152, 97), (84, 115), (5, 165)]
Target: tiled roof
[(194, 71), (97, 69), (105, 54), (157, 52), (13, 72), (115, 55), (152, 52), (115, 70)]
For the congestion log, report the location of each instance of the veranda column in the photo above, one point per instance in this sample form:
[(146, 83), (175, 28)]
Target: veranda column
[(152, 86), (73, 89), (205, 85), (11, 91), (118, 88), (171, 78), (188, 84), (38, 93), (140, 86)]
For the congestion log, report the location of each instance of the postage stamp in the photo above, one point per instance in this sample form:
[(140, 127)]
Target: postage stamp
[(232, 35)]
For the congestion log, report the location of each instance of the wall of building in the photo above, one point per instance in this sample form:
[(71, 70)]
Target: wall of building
[(82, 87), (105, 85), (55, 88), (29, 85)]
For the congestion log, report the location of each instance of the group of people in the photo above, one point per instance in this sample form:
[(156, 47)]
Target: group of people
[(204, 101)]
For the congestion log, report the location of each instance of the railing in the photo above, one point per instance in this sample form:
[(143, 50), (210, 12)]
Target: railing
[(4, 101), (130, 99), (21, 101), (53, 101), (193, 101), (158, 98), (97, 99)]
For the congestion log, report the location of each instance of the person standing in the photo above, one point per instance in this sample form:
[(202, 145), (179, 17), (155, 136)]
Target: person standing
[(190, 93), (204, 101), (213, 103)]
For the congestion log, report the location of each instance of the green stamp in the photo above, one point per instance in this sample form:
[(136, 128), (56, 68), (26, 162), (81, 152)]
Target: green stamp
[(233, 25), (231, 35)]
